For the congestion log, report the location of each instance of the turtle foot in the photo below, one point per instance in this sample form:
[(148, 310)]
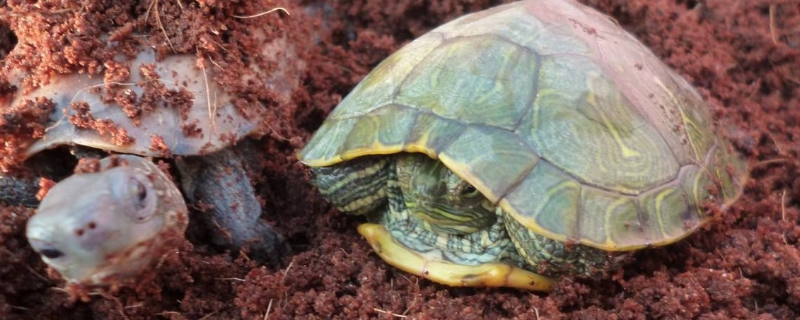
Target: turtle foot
[(448, 273), (19, 191), (218, 185), (21, 185), (267, 245)]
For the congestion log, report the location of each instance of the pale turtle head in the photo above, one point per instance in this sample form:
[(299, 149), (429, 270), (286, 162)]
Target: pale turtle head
[(92, 226)]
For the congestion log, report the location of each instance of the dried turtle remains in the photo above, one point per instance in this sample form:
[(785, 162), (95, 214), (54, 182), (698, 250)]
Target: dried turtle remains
[(98, 225)]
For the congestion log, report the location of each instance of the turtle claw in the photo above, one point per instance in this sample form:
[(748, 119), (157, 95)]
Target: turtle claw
[(448, 273)]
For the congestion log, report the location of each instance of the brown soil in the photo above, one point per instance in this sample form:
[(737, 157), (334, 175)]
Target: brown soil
[(744, 56)]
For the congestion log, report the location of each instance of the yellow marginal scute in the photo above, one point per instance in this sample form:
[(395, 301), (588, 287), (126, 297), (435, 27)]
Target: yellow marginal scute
[(375, 149), (533, 225), (421, 147), (530, 223), (444, 272), (610, 244), (659, 199), (321, 162), (695, 188)]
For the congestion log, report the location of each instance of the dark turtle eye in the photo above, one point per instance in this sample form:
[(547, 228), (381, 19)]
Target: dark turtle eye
[(469, 190), (135, 194), (51, 253), (139, 191)]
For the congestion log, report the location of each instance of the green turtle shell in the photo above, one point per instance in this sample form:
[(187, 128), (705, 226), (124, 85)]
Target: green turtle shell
[(554, 112)]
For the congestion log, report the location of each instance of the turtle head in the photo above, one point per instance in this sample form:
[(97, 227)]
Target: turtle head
[(92, 226), (435, 194)]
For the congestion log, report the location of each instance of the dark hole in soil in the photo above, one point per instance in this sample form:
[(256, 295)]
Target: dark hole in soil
[(312, 121), (690, 4), (54, 164), (765, 88), (8, 40)]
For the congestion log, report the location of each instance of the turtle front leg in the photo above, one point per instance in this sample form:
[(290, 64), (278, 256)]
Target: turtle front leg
[(21, 186), (357, 186), (19, 190), (555, 258), (233, 218)]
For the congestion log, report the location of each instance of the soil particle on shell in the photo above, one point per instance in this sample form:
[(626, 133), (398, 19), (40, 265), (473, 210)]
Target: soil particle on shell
[(157, 143), (744, 57)]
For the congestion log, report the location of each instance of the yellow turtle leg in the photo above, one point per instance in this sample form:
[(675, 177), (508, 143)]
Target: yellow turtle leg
[(483, 275)]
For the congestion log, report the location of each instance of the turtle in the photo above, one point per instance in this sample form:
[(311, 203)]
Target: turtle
[(112, 220), (522, 144)]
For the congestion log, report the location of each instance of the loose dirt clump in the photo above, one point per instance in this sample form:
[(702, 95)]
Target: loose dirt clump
[(744, 57)]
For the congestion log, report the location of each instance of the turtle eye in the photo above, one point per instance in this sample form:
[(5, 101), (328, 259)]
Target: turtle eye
[(140, 196), (51, 253), (45, 249), (139, 191), (469, 190), (135, 194)]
